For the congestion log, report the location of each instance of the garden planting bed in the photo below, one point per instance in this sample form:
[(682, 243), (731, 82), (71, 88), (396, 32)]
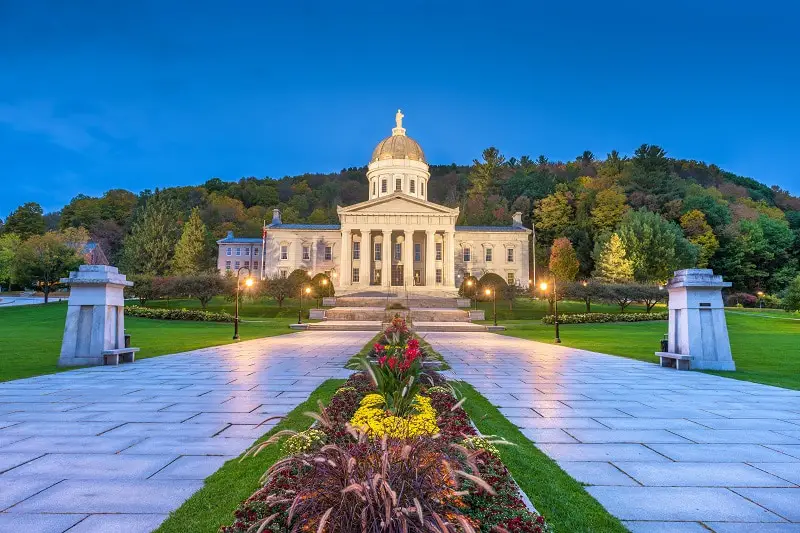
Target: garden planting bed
[(393, 451)]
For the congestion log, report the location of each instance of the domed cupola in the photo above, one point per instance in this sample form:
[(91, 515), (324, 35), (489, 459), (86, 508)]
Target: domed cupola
[(398, 165)]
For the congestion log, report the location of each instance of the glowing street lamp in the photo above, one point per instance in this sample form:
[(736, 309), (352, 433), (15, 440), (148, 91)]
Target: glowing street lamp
[(248, 282), (760, 299), (306, 291), (473, 299), (493, 294), (324, 283), (555, 307)]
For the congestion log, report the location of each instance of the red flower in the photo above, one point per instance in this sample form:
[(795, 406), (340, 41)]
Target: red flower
[(392, 363)]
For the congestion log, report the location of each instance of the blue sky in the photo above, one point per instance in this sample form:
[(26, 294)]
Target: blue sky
[(97, 95)]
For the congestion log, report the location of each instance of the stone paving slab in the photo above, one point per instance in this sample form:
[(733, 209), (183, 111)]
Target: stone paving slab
[(117, 448), (663, 450)]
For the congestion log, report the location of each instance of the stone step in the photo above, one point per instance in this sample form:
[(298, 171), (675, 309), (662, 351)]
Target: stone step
[(411, 301), (386, 315), (422, 327), (347, 325)]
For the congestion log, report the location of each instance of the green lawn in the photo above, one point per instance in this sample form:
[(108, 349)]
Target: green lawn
[(528, 309), (765, 348), (30, 337), (250, 308)]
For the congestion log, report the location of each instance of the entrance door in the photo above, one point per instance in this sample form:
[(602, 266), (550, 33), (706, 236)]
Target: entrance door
[(417, 277), (397, 275)]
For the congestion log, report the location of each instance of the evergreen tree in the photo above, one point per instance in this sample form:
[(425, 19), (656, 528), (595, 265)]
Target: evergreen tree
[(26, 220), (612, 263), (150, 246), (791, 300), (485, 176), (191, 252)]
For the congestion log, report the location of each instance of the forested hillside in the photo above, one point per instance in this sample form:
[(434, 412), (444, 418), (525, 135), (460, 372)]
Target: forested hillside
[(648, 213)]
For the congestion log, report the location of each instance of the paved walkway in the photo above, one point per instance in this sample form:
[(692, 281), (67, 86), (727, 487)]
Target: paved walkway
[(109, 449), (665, 451)]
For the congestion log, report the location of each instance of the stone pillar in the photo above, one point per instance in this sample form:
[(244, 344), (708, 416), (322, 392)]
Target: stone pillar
[(366, 255), (408, 258), (430, 256), (314, 251), (347, 253), (697, 324), (95, 315), (386, 258), (450, 251)]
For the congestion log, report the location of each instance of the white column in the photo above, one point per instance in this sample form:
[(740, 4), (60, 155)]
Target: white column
[(430, 256), (408, 258), (386, 258), (344, 276), (450, 249), (366, 253), (314, 246)]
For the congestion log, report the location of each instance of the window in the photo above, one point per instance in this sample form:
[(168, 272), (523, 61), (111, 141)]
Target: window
[(356, 250), (488, 255), (306, 253), (247, 264), (328, 253), (238, 251), (398, 251), (438, 251), (398, 184), (510, 278), (255, 265), (284, 252), (236, 265), (467, 255), (510, 255), (374, 187), (247, 252), (284, 273), (356, 275), (417, 252), (383, 186), (422, 188), (255, 251), (412, 186), (227, 264), (378, 250), (228, 251), (438, 275)]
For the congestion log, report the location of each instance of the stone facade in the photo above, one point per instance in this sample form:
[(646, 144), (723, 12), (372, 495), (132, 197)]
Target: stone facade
[(396, 239)]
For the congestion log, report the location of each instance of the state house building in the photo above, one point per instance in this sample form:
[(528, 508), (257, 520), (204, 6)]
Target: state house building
[(396, 239)]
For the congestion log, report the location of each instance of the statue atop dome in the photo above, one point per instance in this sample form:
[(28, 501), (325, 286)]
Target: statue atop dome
[(398, 119)]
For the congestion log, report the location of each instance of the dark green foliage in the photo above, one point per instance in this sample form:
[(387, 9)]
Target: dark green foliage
[(791, 299), (599, 318), (151, 244), (203, 286), (177, 314), (493, 282), (322, 286), (468, 287), (25, 221), (298, 281)]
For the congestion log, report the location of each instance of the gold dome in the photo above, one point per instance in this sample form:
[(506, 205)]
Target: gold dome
[(399, 145)]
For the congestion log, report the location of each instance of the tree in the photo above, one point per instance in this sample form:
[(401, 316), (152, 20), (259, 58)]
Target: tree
[(649, 295), (298, 280), (26, 220), (322, 286), (43, 260), (563, 261), (700, 234), (584, 290), (149, 247), (622, 294), (791, 299), (143, 288), (493, 282), (191, 252), (485, 176), (278, 288), (203, 286), (612, 263), (555, 214), (609, 208), (9, 244)]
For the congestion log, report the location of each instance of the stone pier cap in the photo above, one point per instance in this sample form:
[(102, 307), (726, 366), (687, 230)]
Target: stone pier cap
[(697, 277), (97, 275)]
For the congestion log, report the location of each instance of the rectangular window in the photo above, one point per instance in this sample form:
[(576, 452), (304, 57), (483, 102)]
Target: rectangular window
[(247, 264), (255, 251), (417, 252), (306, 253), (284, 273), (438, 275), (422, 188), (398, 184), (510, 255), (247, 252), (467, 255), (488, 255), (378, 251), (510, 278), (228, 251), (412, 186), (236, 265), (328, 253), (227, 265), (356, 250), (284, 252), (356, 275), (438, 251), (398, 251), (374, 185), (255, 265), (238, 251), (383, 186)]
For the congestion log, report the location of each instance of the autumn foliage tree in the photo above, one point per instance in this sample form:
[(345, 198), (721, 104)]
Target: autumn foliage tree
[(564, 263)]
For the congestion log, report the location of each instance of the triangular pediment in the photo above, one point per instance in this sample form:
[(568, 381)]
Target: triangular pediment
[(397, 203)]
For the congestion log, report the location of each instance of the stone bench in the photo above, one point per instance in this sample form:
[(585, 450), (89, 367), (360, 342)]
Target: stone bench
[(128, 355), (674, 360)]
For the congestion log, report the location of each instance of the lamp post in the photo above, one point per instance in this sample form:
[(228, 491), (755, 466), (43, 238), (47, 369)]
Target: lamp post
[(306, 291), (248, 283), (555, 306), (760, 299), (493, 294), (324, 283), (472, 299)]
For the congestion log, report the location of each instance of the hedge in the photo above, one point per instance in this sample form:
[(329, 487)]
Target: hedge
[(594, 318), (177, 314)]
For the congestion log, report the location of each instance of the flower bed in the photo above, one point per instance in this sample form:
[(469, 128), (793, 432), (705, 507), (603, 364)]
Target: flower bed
[(388, 459), (177, 314), (595, 318)]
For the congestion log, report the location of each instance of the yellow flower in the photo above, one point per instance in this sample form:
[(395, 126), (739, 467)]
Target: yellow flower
[(376, 421)]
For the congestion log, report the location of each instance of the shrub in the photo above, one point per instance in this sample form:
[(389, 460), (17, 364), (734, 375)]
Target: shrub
[(494, 282), (595, 318), (298, 279), (468, 287), (791, 300), (741, 299), (322, 286), (202, 286), (177, 314)]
